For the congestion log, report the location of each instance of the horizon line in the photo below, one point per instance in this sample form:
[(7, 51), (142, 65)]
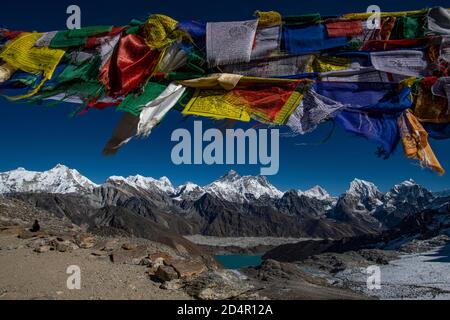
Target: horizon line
[(229, 172)]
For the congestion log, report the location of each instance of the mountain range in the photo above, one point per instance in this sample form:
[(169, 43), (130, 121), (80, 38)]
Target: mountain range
[(230, 206)]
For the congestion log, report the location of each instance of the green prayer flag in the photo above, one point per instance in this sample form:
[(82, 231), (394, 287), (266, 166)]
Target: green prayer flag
[(86, 71), (134, 103), (408, 28), (302, 19), (76, 37)]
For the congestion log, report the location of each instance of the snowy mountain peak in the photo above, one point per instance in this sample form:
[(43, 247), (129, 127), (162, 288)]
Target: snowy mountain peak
[(59, 179), (230, 187), (367, 194), (187, 187), (316, 192), (408, 189), (408, 183), (230, 176), (189, 191), (233, 187), (363, 189), (146, 183), (165, 180), (405, 185), (408, 193), (60, 166)]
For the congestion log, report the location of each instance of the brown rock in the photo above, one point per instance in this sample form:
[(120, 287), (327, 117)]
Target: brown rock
[(27, 234), (36, 243), (61, 245), (99, 253), (110, 245), (176, 284), (86, 241), (151, 270), (188, 269), (129, 256), (129, 246), (159, 259), (43, 249), (12, 230), (160, 255), (146, 262), (166, 273), (87, 245), (217, 285), (86, 237), (64, 238)]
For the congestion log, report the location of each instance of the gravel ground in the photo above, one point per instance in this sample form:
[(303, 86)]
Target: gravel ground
[(25, 274), (414, 276)]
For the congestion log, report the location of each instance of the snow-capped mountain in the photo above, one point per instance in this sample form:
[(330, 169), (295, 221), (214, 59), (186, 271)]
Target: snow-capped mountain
[(59, 179), (316, 192), (217, 209), (234, 188), (403, 200), (363, 189), (443, 193), (146, 183), (189, 191), (408, 192), (231, 187), (367, 193)]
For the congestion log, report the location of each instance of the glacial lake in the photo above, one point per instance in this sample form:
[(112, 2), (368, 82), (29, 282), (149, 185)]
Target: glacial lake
[(234, 262)]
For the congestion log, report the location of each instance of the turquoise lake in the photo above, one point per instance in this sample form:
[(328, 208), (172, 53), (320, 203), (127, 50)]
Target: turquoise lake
[(238, 261)]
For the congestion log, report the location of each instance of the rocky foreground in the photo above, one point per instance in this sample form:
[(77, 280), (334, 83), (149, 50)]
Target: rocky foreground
[(34, 266), (413, 257)]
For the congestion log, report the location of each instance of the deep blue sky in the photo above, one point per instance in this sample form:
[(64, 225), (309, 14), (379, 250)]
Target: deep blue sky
[(37, 138)]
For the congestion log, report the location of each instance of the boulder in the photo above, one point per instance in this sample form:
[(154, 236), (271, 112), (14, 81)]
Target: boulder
[(160, 258), (176, 284), (63, 246), (110, 245), (378, 257), (43, 249), (166, 273), (217, 285), (36, 243), (85, 241), (129, 246), (151, 270), (146, 262), (188, 269), (129, 256)]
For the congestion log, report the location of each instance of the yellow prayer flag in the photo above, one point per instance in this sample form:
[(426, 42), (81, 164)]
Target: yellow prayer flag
[(160, 31), (214, 104), (22, 54), (268, 18)]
